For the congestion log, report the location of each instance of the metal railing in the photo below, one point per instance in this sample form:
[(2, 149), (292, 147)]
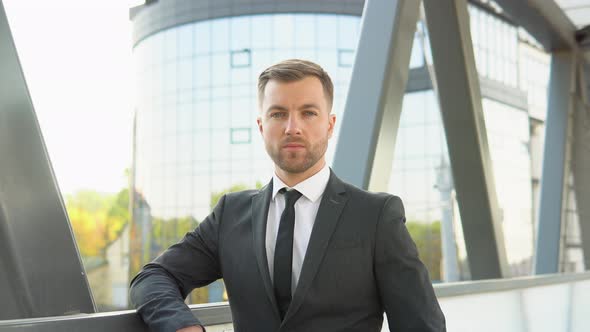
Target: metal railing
[(557, 302)]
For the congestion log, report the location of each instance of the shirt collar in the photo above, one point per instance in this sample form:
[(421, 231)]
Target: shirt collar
[(312, 188)]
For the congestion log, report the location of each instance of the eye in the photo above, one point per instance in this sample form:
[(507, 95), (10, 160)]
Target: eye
[(309, 113), (277, 115)]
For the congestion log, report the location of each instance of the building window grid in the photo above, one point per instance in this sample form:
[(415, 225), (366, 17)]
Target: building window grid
[(345, 58), (535, 84), (240, 58)]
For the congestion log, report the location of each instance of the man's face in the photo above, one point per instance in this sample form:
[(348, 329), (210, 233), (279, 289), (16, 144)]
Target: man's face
[(295, 123)]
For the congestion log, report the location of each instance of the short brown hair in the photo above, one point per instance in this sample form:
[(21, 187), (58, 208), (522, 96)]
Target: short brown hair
[(294, 70)]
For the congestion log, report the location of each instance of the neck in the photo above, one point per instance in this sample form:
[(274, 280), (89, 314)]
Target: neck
[(292, 179)]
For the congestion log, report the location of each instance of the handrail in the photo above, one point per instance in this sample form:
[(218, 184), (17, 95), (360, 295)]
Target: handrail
[(126, 320), (500, 285), (219, 313)]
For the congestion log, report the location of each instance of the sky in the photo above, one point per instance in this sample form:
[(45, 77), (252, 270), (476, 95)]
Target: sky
[(77, 60)]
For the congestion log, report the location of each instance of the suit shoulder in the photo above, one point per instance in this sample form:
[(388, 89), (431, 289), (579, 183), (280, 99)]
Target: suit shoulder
[(376, 196), (386, 202)]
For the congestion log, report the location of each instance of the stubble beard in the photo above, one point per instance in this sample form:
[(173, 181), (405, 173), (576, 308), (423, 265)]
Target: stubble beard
[(298, 161)]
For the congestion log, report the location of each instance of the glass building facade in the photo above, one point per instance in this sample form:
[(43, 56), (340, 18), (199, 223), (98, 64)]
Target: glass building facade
[(196, 136)]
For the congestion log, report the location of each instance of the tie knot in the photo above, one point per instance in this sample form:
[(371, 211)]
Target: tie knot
[(291, 196)]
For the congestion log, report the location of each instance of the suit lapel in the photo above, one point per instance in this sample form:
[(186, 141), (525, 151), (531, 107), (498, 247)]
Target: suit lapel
[(331, 205), (260, 204)]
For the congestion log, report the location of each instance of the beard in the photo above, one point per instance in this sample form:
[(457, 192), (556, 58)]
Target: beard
[(297, 161)]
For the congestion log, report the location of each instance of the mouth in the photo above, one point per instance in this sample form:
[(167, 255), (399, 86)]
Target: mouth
[(293, 146)]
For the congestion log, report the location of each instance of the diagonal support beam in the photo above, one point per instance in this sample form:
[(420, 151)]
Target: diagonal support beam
[(544, 20), (364, 152), (581, 161), (553, 175), (40, 270), (462, 114)]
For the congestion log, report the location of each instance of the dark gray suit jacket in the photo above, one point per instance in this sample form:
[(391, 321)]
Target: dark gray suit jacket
[(360, 262)]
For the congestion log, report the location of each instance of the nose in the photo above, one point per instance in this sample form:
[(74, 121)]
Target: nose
[(293, 125)]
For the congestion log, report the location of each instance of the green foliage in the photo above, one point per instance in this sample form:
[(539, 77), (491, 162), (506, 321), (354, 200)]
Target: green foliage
[(215, 196), (120, 206), (427, 237), (97, 219), (166, 232), (89, 200)]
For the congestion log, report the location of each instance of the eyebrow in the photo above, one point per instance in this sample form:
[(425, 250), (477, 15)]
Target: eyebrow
[(282, 108), (276, 108), (307, 106)]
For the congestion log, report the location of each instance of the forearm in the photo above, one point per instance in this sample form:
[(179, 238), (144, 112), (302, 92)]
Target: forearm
[(159, 300)]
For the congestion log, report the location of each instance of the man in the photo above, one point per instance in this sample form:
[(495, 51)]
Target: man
[(307, 252)]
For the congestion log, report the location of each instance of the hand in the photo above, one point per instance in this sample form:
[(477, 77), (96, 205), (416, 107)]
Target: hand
[(191, 329)]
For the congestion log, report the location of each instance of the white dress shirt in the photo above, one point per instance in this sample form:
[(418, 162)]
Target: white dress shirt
[(306, 209)]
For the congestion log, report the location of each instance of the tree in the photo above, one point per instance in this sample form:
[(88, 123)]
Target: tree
[(427, 237), (97, 219), (166, 232)]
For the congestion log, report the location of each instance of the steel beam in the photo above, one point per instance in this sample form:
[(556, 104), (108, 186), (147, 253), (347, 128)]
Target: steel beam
[(553, 175), (584, 83), (40, 270), (581, 161), (544, 20), (364, 152), (462, 114)]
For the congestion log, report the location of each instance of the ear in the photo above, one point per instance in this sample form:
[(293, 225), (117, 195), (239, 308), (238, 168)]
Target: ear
[(259, 122), (331, 124)]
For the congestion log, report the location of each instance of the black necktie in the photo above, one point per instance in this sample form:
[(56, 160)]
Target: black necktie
[(283, 260)]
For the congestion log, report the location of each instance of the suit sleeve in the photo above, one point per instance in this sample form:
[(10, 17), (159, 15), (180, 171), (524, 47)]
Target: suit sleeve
[(159, 290), (404, 285)]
